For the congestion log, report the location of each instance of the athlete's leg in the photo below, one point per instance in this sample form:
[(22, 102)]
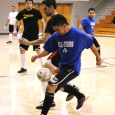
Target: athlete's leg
[(48, 64), (70, 96), (60, 80), (49, 97), (23, 49), (10, 33), (54, 70), (10, 36), (97, 45)]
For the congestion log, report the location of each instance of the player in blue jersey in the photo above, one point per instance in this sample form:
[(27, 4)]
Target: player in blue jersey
[(87, 25), (70, 42)]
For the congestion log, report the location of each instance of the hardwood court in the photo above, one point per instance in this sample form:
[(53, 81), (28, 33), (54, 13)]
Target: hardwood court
[(21, 93)]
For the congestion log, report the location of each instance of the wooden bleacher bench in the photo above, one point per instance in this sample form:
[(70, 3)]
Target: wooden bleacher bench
[(103, 21), (109, 17), (113, 13), (107, 33), (104, 26), (104, 29)]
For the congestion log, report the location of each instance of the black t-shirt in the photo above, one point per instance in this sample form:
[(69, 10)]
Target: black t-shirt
[(30, 20), (55, 57), (113, 22), (49, 28)]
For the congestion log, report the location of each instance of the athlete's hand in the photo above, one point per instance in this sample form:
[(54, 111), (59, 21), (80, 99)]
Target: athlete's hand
[(33, 58), (15, 33), (99, 62), (24, 41), (5, 26)]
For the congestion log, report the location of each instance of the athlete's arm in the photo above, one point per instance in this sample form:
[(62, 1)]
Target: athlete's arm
[(43, 25), (94, 50), (42, 54), (7, 22), (81, 28), (42, 40), (8, 19)]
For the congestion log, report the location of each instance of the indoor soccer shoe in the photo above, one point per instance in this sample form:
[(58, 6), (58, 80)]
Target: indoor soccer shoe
[(41, 105), (22, 70), (81, 101), (70, 96), (9, 42)]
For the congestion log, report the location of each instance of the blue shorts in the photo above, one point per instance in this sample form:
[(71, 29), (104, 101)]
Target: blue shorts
[(65, 74)]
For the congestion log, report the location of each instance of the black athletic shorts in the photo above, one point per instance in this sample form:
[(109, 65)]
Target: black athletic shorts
[(25, 47), (95, 42), (66, 73), (11, 28), (55, 58)]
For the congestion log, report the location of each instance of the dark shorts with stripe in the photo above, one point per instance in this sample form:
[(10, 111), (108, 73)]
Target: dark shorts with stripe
[(55, 58), (65, 74), (25, 47), (95, 42), (11, 28)]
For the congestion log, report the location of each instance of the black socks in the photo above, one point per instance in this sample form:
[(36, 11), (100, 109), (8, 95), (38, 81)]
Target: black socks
[(49, 97), (72, 90)]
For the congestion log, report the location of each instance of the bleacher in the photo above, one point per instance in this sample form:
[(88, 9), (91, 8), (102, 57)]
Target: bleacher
[(104, 26)]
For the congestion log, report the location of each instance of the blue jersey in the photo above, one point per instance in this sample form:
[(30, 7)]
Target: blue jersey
[(70, 47), (88, 25)]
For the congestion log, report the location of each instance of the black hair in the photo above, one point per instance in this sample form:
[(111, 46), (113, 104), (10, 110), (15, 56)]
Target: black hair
[(48, 3), (59, 20), (93, 9), (29, 0), (13, 6)]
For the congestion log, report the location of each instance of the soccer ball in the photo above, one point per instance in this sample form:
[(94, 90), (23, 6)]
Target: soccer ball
[(44, 74)]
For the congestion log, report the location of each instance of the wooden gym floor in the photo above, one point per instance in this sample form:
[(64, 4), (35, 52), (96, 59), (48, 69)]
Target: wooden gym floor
[(21, 93)]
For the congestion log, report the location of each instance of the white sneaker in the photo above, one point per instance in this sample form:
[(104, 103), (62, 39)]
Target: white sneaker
[(101, 66), (86, 96)]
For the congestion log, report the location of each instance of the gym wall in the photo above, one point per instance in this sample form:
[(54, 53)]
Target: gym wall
[(78, 8)]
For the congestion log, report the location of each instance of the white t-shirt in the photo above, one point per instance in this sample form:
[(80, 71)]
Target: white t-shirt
[(12, 17)]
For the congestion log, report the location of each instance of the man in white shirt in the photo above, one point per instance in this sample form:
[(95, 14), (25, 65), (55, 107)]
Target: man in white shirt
[(11, 21)]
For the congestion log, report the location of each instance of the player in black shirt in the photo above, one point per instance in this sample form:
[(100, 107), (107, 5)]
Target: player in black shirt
[(53, 60), (113, 21), (48, 32), (30, 19)]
